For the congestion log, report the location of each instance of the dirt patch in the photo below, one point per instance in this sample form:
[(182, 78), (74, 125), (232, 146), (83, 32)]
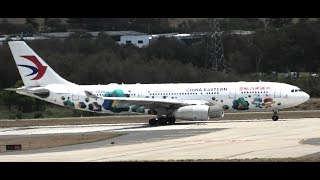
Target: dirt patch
[(51, 140), (73, 121)]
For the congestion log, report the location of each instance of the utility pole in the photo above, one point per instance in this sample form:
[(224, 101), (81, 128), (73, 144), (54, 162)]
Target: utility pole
[(215, 53)]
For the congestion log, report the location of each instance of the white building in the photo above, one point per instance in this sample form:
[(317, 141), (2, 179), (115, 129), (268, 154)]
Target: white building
[(129, 37)]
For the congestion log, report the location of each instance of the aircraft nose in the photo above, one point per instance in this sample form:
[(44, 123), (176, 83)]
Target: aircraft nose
[(306, 96)]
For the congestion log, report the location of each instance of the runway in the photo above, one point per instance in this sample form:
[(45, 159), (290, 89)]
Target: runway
[(211, 140)]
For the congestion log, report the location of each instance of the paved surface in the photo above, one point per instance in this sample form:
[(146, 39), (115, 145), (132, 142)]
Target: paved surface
[(224, 139)]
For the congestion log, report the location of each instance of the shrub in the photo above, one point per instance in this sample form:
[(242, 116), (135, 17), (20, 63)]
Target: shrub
[(38, 115), (19, 115)]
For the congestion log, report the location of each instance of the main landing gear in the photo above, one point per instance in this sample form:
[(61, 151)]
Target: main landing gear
[(162, 120), (275, 116)]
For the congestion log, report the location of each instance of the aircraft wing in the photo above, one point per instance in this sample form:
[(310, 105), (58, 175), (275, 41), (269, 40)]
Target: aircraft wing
[(151, 102)]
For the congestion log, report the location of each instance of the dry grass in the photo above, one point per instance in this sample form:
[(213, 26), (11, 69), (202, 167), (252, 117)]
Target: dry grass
[(52, 140)]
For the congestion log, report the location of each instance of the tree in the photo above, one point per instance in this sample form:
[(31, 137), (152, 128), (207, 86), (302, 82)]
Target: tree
[(33, 22), (279, 22), (303, 20), (55, 25)]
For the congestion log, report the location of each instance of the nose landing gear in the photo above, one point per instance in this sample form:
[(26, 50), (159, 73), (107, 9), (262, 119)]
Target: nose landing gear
[(275, 116)]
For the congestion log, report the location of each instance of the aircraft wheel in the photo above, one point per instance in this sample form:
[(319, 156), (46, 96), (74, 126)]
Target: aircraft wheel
[(162, 121), (152, 122), (171, 120), (275, 118)]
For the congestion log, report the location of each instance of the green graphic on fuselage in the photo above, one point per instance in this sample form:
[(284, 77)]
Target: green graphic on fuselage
[(113, 105), (240, 104), (115, 93), (257, 102), (68, 103)]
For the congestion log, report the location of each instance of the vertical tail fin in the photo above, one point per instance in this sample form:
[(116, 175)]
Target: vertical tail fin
[(33, 70)]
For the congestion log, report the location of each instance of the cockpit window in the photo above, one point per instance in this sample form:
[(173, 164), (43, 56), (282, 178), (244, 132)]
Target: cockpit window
[(296, 90)]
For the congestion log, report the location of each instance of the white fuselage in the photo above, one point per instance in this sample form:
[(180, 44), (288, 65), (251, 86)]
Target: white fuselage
[(187, 101), (228, 95)]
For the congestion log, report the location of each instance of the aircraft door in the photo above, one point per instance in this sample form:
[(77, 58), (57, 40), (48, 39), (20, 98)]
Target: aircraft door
[(75, 95), (142, 93), (277, 93), (232, 93)]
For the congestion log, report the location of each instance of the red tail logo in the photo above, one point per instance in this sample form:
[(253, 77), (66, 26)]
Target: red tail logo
[(40, 68)]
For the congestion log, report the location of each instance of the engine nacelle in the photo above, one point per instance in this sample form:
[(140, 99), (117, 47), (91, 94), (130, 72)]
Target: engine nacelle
[(193, 113), (198, 112), (215, 111)]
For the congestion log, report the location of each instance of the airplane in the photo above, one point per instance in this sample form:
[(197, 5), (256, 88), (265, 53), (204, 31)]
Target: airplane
[(185, 101)]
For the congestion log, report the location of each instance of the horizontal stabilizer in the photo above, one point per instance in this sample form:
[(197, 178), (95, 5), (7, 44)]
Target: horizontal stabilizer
[(11, 89), (28, 90), (90, 95)]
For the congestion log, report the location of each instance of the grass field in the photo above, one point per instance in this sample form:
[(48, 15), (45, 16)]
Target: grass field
[(51, 111)]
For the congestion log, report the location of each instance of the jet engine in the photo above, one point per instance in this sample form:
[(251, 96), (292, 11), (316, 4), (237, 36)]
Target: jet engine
[(216, 111), (198, 112)]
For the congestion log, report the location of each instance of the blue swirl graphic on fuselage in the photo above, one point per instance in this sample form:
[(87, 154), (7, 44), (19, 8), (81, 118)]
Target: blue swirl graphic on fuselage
[(34, 69)]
